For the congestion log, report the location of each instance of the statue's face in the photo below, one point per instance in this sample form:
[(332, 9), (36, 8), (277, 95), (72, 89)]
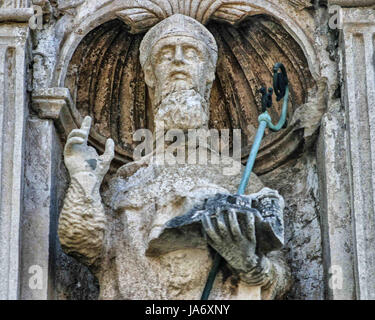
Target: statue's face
[(179, 74), (180, 63)]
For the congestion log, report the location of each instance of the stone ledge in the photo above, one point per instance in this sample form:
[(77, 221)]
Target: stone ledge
[(351, 3), (16, 15), (48, 102), (55, 104), (357, 16)]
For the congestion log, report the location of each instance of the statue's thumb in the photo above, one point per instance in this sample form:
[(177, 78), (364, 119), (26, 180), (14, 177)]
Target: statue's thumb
[(109, 152)]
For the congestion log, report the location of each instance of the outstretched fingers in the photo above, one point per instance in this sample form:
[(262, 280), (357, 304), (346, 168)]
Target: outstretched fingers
[(72, 141), (250, 226), (106, 158), (109, 151), (209, 229), (222, 226), (86, 125), (77, 133), (79, 136), (234, 225)]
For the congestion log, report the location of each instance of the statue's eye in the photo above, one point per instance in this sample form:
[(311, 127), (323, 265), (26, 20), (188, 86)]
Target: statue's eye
[(166, 54), (190, 53)]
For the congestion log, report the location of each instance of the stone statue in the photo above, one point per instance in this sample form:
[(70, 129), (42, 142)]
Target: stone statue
[(129, 239)]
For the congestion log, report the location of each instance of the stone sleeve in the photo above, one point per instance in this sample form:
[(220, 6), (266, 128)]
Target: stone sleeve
[(82, 224), (279, 278), (271, 273)]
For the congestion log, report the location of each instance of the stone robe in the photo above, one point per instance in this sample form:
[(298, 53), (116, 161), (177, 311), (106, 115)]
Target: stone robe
[(139, 201)]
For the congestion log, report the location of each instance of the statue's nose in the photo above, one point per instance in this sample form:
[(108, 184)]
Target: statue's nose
[(179, 55)]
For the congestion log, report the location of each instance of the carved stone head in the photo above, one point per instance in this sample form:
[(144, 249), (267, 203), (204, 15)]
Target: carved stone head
[(178, 57)]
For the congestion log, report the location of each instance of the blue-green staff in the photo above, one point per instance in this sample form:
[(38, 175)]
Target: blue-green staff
[(281, 88)]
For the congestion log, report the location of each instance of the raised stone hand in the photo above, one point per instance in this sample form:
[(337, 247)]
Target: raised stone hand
[(83, 160), (82, 221)]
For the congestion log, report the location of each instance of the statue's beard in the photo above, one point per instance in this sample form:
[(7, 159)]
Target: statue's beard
[(183, 109)]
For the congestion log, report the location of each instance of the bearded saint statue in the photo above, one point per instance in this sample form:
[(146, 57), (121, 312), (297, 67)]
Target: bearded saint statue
[(121, 233)]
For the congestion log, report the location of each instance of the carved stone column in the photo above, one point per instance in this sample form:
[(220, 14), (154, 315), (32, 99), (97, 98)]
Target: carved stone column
[(358, 51), (335, 212), (14, 46)]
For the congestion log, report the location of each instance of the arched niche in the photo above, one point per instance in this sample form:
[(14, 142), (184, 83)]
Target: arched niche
[(99, 64)]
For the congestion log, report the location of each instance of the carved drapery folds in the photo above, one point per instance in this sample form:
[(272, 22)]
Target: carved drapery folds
[(106, 81), (301, 4), (140, 16)]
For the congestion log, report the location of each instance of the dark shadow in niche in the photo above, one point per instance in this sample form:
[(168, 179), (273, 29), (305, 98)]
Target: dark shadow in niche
[(107, 83)]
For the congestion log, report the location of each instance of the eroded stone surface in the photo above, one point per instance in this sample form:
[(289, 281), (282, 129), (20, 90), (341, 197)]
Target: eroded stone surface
[(146, 201), (66, 23), (297, 182)]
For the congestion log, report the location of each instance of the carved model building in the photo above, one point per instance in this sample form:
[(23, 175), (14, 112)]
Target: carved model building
[(82, 218)]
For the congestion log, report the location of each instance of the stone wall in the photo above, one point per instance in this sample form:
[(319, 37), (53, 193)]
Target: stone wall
[(322, 165), (297, 182)]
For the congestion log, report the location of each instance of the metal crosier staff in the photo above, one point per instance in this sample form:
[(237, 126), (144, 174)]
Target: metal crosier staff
[(281, 89)]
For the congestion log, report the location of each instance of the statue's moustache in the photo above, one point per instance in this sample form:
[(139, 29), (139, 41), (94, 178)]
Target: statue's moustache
[(178, 72)]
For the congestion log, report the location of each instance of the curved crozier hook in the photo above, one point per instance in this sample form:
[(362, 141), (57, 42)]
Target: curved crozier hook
[(281, 88)]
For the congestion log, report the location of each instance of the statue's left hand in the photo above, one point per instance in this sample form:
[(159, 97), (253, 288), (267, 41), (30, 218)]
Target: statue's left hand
[(231, 232)]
